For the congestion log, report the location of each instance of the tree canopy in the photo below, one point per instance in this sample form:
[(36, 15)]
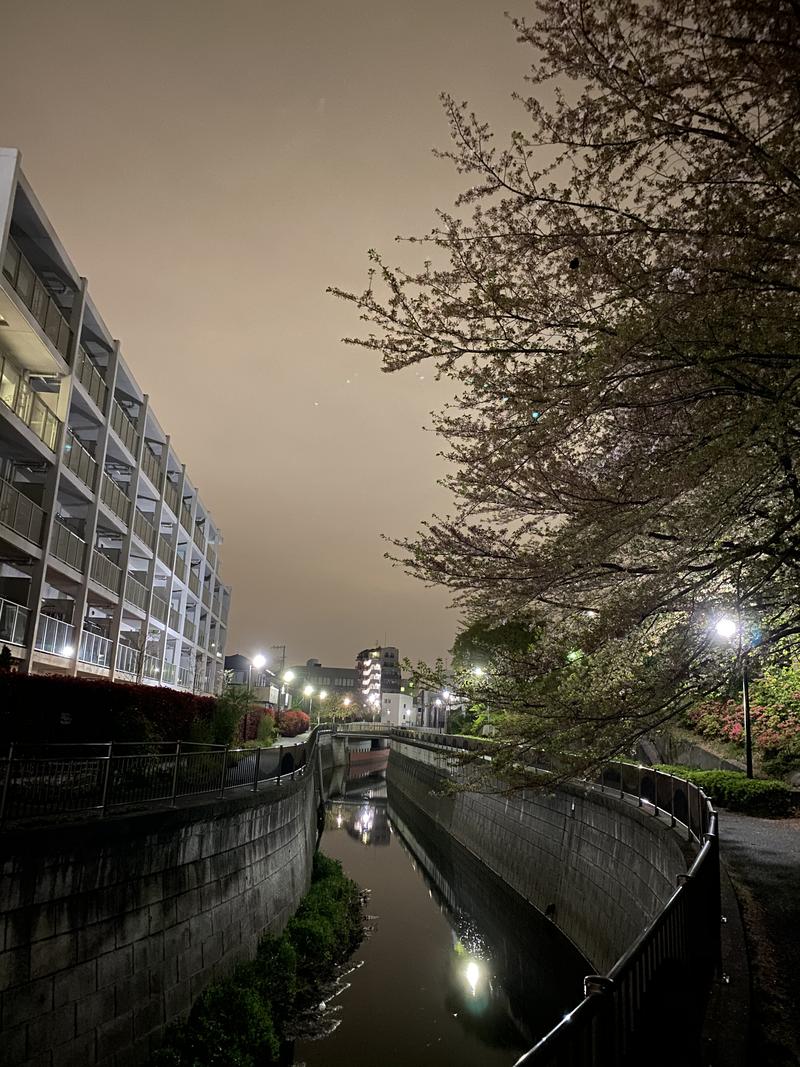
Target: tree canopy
[(615, 297)]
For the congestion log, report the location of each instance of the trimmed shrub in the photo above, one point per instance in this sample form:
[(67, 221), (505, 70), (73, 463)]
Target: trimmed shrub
[(734, 790), (293, 722)]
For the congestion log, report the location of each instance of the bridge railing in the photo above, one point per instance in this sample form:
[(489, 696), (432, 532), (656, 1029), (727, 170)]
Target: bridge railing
[(667, 972), (41, 781)]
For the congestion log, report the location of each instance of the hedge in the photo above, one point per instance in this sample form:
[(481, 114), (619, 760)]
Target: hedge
[(293, 722), (734, 790), (56, 707)]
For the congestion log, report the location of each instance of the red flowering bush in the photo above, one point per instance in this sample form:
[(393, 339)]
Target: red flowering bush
[(292, 722), (775, 728)]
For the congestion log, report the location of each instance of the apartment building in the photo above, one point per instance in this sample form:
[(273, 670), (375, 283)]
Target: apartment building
[(109, 559), (379, 671)]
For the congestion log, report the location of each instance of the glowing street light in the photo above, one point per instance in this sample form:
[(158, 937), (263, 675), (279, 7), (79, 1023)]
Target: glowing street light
[(259, 661), (478, 672), (728, 628), (288, 676)]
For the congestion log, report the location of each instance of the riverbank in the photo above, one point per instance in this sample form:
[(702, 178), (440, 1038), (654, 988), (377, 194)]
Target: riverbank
[(247, 1018)]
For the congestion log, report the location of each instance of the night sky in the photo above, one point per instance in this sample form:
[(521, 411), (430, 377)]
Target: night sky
[(211, 168)]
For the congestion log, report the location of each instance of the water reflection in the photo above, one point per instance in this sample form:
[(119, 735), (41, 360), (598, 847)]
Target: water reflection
[(458, 969)]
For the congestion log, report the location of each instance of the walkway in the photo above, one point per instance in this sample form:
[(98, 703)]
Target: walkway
[(763, 859)]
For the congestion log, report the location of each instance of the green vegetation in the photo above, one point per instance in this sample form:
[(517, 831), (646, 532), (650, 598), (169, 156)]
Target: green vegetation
[(241, 1021), (734, 790)]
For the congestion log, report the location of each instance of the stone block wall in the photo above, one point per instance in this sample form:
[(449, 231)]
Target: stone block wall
[(110, 929), (600, 867)]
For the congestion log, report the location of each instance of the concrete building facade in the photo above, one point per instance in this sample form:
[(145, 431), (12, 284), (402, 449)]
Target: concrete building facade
[(379, 672), (109, 559)]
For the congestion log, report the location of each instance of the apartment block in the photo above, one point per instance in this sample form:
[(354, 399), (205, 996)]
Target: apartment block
[(109, 559), (379, 671)]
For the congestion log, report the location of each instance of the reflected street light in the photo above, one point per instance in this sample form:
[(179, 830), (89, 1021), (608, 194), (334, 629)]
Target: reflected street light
[(728, 628)]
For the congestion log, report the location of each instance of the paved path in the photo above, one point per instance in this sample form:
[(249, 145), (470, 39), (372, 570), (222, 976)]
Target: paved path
[(763, 858)]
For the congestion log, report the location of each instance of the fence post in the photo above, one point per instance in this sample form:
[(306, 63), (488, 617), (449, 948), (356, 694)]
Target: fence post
[(224, 773), (6, 782), (280, 762), (671, 799), (175, 772), (640, 785), (688, 810), (255, 772), (107, 778), (655, 792)]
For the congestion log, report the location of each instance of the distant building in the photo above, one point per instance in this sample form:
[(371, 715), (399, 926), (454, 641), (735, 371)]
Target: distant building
[(397, 709), (342, 680), (267, 688), (379, 673)]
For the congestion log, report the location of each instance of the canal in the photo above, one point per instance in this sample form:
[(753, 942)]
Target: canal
[(457, 968)]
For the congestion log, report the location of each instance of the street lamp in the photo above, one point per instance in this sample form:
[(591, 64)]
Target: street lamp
[(309, 691), (727, 628), (257, 662)]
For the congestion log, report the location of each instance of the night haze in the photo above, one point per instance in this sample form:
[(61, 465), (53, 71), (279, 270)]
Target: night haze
[(211, 169)]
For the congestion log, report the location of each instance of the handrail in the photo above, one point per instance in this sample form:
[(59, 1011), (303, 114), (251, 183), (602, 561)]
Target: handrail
[(39, 781)]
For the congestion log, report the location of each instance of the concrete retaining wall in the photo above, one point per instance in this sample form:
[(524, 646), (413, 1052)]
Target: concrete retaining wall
[(111, 929), (599, 867)]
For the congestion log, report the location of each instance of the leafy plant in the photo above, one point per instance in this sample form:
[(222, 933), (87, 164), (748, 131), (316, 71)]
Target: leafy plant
[(734, 790), (292, 722)]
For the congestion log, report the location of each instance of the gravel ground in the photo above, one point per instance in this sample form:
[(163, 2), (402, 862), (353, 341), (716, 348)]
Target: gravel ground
[(763, 859)]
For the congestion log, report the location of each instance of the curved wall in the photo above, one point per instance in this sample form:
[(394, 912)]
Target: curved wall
[(110, 929), (600, 867)]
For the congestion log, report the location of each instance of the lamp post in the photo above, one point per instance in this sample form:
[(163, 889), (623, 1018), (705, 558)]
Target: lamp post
[(257, 662), (728, 628), (323, 693), (288, 676), (309, 692)]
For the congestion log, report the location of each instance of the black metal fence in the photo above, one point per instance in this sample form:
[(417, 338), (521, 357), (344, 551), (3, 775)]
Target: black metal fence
[(46, 780)]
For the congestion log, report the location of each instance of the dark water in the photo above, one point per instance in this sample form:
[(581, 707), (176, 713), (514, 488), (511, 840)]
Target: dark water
[(457, 970)]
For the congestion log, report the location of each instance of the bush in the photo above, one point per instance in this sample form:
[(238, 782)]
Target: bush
[(293, 722), (734, 790), (775, 727)]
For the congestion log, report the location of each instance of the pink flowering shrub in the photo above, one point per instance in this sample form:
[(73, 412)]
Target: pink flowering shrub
[(775, 727)]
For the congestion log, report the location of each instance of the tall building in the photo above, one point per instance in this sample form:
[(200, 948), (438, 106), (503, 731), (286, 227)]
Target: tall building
[(109, 560), (379, 670), (342, 680)]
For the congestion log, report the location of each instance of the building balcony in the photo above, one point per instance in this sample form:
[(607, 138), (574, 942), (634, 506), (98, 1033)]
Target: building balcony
[(105, 573), (124, 428), (175, 620), (19, 514), (94, 649), (55, 637), (186, 517), (194, 581), (186, 677), (164, 549), (79, 460), (35, 296), (189, 630), (114, 499), (206, 596), (144, 529), (199, 537), (159, 607), (151, 465), (136, 593), (151, 668), (127, 660), (91, 379), (13, 622), (27, 405), (67, 546), (169, 674), (171, 495)]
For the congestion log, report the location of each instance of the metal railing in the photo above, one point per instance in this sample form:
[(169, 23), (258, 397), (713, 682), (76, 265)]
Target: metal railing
[(127, 661), (20, 514), (159, 607), (95, 649), (27, 405), (36, 297), (186, 516), (105, 572), (171, 495), (42, 780), (151, 465), (79, 460), (13, 622), (199, 536), (175, 619), (189, 629), (115, 499), (164, 549), (136, 593), (169, 673), (194, 581), (67, 546), (91, 379), (205, 596), (124, 428), (186, 678), (144, 529), (54, 636)]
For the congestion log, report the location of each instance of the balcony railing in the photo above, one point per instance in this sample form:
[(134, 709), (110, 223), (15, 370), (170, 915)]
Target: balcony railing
[(144, 529), (105, 572), (189, 630), (175, 619), (206, 595), (55, 636), (171, 495), (194, 581), (211, 556), (67, 546), (135, 592), (151, 465), (169, 673), (186, 517), (151, 668), (115, 499), (164, 549), (19, 514), (36, 298), (94, 649), (91, 379), (27, 405), (159, 607), (186, 677), (79, 460), (127, 659), (13, 621), (216, 605), (199, 537), (124, 428)]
